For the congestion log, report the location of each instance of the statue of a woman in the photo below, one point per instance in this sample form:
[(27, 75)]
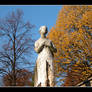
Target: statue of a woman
[(44, 70)]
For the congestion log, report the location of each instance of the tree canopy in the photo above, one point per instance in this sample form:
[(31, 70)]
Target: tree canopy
[(72, 35)]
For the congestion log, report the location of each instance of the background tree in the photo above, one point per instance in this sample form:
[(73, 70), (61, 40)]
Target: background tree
[(18, 44), (23, 78), (72, 36), (77, 74)]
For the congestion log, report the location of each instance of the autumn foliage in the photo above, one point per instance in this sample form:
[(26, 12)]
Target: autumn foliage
[(23, 78), (72, 35), (77, 74)]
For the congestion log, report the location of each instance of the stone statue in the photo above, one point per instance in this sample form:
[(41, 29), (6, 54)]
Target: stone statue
[(44, 70)]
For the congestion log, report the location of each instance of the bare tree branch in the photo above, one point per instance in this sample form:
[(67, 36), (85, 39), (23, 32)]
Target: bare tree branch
[(18, 44)]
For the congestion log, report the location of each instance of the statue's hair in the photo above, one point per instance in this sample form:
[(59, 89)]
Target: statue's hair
[(43, 31)]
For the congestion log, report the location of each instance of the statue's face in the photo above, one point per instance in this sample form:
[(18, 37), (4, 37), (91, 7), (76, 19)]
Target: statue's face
[(43, 30)]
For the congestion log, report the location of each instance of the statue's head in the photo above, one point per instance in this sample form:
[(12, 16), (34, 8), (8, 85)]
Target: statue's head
[(43, 30)]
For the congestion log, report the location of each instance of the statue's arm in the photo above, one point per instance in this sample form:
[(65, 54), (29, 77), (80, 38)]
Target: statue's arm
[(38, 48), (53, 48)]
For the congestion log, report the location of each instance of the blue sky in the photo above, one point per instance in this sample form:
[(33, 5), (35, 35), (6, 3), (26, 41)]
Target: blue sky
[(37, 14)]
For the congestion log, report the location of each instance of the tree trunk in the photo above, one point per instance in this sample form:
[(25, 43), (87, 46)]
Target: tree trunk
[(14, 75)]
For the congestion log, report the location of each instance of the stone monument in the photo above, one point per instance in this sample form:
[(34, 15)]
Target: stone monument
[(44, 70)]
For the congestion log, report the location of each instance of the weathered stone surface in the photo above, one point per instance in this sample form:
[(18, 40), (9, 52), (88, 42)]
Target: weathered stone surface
[(44, 71)]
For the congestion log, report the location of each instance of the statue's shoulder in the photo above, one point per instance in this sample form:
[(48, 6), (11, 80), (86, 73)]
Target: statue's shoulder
[(37, 41)]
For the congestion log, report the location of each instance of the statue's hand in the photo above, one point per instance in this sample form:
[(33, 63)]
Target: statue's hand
[(47, 43)]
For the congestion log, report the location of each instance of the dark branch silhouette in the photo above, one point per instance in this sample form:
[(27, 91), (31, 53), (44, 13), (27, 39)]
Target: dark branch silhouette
[(18, 45)]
